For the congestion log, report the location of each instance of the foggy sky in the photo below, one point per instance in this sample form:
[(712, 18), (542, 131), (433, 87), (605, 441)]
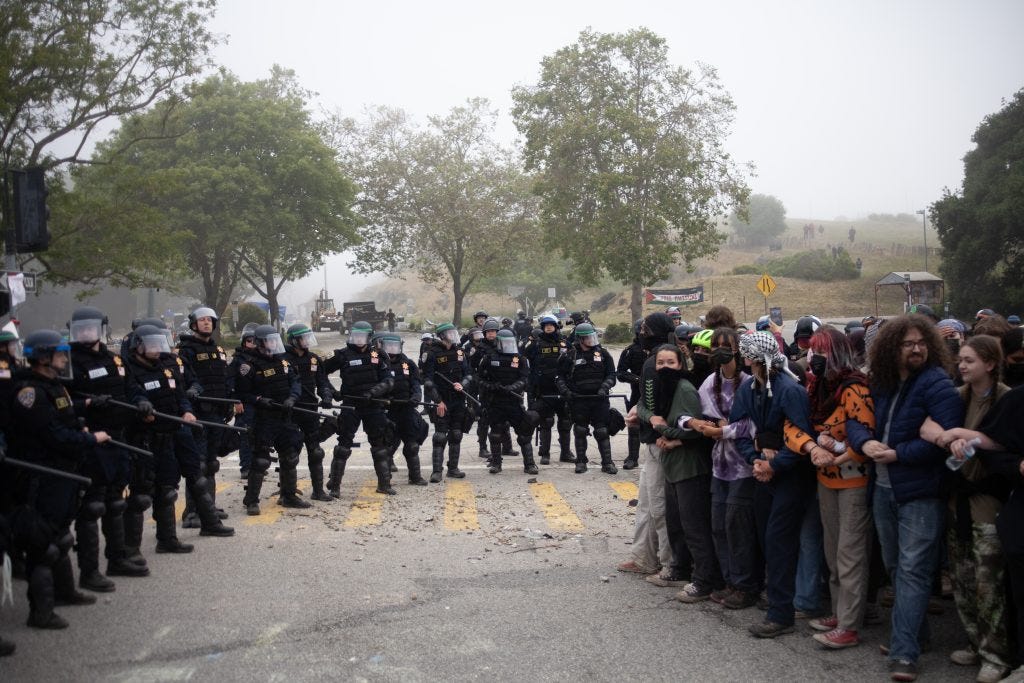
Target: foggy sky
[(845, 108)]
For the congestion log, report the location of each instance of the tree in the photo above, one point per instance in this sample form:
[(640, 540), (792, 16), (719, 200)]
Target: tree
[(535, 269), (445, 201), (247, 180), (765, 220), (981, 227), (629, 155)]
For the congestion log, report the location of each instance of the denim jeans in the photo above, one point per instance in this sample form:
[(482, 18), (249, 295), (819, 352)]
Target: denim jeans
[(735, 534), (909, 535), (810, 567), (780, 504)]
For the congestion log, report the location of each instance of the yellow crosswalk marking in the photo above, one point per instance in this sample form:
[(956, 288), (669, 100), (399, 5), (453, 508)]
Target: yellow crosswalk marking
[(223, 486), (270, 512), (367, 507), (559, 515), (626, 490), (460, 507)]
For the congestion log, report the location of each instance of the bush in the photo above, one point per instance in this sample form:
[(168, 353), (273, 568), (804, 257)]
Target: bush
[(250, 313), (818, 265), (618, 333)]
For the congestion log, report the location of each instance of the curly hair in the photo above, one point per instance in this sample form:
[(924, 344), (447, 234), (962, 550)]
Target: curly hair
[(719, 316), (884, 360)]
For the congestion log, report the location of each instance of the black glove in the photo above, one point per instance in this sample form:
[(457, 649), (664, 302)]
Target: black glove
[(563, 390), (326, 402), (288, 403), (265, 402), (378, 390), (192, 394), (145, 407), (100, 401), (338, 395), (603, 391)]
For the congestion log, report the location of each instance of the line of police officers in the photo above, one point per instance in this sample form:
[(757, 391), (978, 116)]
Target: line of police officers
[(137, 423)]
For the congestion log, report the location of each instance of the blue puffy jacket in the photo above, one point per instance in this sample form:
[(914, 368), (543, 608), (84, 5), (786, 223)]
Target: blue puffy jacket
[(769, 413), (919, 469)]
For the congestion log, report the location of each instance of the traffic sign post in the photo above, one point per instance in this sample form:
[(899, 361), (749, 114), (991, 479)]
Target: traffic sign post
[(766, 285)]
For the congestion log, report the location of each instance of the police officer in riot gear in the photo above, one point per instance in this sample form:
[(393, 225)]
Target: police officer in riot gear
[(99, 375), (245, 351), (544, 351), (313, 379), (503, 375), (631, 363), (365, 376), (157, 377), (478, 353), (268, 382), (445, 377), (586, 375), (206, 364), (45, 430), (522, 328), (410, 430)]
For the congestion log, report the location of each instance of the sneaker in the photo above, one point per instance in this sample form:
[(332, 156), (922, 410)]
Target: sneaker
[(666, 580), (991, 673), (824, 623), (632, 567), (964, 657), (769, 629), (838, 638), (719, 596), (740, 600), (693, 593), (902, 670)]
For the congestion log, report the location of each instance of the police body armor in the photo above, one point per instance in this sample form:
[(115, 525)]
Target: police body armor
[(448, 362), (504, 369), (101, 372), (588, 370), (269, 378), (308, 367), (32, 440), (358, 369), (547, 351), (161, 382), (401, 367)]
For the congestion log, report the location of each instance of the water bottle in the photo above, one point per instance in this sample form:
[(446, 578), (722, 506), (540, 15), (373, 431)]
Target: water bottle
[(954, 464)]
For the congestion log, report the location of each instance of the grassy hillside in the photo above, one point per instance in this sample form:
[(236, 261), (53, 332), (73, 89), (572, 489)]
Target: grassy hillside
[(883, 246)]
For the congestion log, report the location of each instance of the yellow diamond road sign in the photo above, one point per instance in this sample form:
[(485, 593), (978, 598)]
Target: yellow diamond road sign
[(766, 284)]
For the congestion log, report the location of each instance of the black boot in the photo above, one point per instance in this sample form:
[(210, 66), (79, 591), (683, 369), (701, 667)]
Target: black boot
[(64, 585), (211, 488), (133, 523), (581, 451), (41, 599), (340, 457), (253, 486), (210, 524), (166, 535), (506, 444), (87, 534), (484, 452), (289, 483), (316, 477), (632, 460), (392, 467), (544, 451), (189, 518), (565, 453), (604, 447), (453, 460), (383, 470), (411, 452), (436, 462), (529, 466), (114, 550), (494, 464)]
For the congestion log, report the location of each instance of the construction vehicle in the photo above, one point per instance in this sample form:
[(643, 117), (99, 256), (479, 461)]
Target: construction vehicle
[(354, 311), (325, 316)]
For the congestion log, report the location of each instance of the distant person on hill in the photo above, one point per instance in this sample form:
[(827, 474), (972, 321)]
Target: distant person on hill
[(391, 320)]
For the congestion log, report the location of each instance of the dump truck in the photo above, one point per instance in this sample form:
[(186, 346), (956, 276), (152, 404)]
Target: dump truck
[(354, 311)]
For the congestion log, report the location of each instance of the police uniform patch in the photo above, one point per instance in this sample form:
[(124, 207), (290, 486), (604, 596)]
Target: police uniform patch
[(405, 368), (459, 354), (27, 397), (269, 372), (167, 373), (120, 365), (373, 357), (244, 369), (202, 356), (62, 403), (515, 361), (597, 355)]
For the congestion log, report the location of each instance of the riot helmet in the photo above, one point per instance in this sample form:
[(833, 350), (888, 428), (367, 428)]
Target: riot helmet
[(506, 322), (88, 325), (9, 341), (50, 349), (506, 342), (447, 333), (301, 337), (202, 312), (476, 334), (586, 334), (149, 341), (391, 344), (268, 340), (479, 317), (249, 333), (521, 315), (360, 333), (547, 319)]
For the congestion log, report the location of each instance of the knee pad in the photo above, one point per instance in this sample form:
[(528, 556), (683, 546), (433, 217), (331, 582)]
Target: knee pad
[(289, 459), (315, 454), (380, 454), (116, 507), (548, 422), (410, 450), (201, 482), (212, 466), (601, 433), (499, 427), (579, 430), (455, 436), (523, 439), (440, 438), (261, 464), (342, 453), (65, 542), (50, 555), (92, 510), (167, 495), (138, 502)]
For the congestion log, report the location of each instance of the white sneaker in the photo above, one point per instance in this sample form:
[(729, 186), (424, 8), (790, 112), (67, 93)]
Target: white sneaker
[(1016, 676), (991, 673), (964, 657)]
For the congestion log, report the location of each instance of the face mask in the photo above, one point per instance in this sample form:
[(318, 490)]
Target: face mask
[(817, 365), (670, 376), (1013, 376), (721, 356), (954, 346), (701, 363)]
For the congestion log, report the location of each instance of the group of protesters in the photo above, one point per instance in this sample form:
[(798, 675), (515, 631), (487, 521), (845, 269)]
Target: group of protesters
[(852, 470)]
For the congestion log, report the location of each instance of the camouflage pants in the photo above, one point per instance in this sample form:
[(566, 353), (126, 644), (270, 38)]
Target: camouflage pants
[(978, 569)]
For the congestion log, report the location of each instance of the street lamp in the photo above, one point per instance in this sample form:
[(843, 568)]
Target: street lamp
[(924, 231)]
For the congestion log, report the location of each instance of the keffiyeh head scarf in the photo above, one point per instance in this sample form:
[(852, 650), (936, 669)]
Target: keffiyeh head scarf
[(761, 347)]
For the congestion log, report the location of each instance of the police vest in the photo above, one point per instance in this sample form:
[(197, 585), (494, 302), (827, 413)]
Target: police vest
[(209, 363), (448, 362), (548, 351), (31, 391), (307, 366), (101, 372), (402, 369), (588, 370), (359, 370), (269, 377), (160, 383)]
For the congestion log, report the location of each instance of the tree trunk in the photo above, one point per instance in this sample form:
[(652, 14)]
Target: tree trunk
[(268, 278), (457, 296), (636, 302)]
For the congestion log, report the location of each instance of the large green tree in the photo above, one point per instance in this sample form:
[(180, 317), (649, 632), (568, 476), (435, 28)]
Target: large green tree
[(628, 151), (247, 182), (981, 226), (444, 200), (764, 221)]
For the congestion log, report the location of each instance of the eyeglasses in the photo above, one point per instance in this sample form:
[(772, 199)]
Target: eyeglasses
[(920, 343)]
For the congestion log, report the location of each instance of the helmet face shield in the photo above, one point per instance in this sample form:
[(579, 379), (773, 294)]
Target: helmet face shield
[(304, 341), (271, 345), (589, 339), (507, 344), (152, 345), (87, 331), (450, 336), (392, 347), (359, 337)]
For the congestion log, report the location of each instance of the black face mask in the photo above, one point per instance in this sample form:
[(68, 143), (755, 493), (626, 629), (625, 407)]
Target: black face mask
[(720, 357), (670, 376), (701, 364), (1013, 375), (817, 365)]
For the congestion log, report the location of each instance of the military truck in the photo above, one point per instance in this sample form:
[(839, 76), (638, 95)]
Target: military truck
[(325, 315), (354, 311)]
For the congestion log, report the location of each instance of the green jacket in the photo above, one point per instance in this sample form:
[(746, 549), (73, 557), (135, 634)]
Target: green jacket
[(693, 457)]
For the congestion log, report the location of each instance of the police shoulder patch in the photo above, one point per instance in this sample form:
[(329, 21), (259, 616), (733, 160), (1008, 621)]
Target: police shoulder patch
[(27, 397), (244, 369), (168, 373)]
